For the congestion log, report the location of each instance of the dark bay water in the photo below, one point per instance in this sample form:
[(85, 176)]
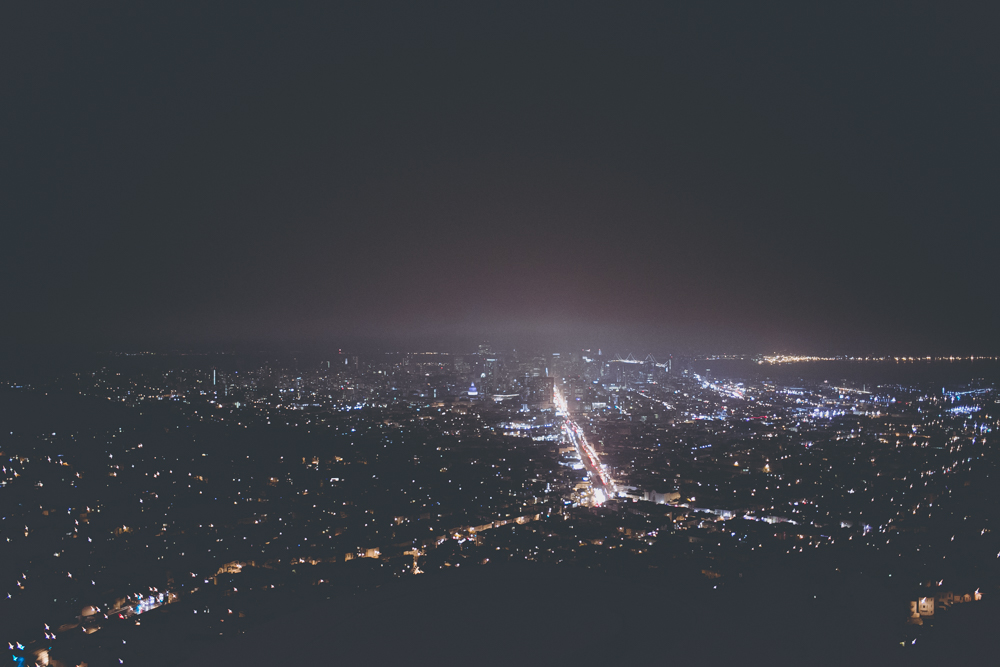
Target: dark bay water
[(916, 373)]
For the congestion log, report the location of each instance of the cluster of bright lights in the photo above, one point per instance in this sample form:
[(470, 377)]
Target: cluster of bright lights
[(956, 395), (770, 519), (819, 413), (793, 359), (730, 390), (523, 426)]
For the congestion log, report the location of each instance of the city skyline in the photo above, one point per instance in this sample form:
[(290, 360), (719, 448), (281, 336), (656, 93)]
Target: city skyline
[(153, 501)]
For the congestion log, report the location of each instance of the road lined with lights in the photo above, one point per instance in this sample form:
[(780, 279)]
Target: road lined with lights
[(600, 480)]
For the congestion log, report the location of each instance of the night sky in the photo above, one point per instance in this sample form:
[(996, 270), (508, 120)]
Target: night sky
[(743, 178)]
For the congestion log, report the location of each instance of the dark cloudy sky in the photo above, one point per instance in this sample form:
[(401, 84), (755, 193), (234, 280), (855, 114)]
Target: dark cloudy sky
[(740, 177)]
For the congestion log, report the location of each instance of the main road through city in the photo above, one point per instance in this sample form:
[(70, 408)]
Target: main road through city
[(600, 480)]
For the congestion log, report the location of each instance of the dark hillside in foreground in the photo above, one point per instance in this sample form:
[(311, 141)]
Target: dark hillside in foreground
[(544, 616)]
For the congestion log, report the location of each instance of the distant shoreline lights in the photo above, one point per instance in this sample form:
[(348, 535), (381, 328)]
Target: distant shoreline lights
[(795, 359)]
